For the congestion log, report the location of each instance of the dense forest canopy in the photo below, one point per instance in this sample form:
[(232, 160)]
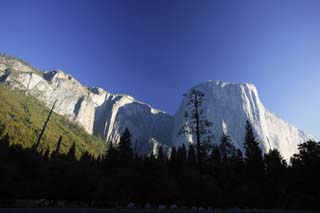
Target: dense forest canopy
[(73, 166), (227, 178), (22, 118)]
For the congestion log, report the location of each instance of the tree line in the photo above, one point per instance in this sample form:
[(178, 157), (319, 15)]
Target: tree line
[(195, 174), (227, 177)]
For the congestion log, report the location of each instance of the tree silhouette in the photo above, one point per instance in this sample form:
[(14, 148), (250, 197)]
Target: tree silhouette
[(124, 147), (306, 175), (254, 166), (160, 154), (192, 156), (196, 123), (44, 127), (253, 153), (71, 155), (182, 154), (227, 149), (275, 178)]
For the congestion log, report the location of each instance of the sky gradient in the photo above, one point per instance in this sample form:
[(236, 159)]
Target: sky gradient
[(156, 50)]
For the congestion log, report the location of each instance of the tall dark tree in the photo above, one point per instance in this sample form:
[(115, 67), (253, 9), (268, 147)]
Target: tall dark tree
[(111, 152), (253, 152), (275, 164), (124, 147), (196, 123), (182, 154), (275, 179), (215, 160), (58, 145), (254, 166), (71, 155), (35, 147), (160, 155), (227, 149), (309, 154), (305, 165), (173, 155), (192, 156)]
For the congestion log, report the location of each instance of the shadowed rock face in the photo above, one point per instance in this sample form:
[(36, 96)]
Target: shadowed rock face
[(226, 105)]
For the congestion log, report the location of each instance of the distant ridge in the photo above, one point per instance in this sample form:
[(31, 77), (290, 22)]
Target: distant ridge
[(228, 106)]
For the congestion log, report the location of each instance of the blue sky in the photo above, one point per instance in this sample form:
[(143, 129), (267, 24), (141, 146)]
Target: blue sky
[(156, 50)]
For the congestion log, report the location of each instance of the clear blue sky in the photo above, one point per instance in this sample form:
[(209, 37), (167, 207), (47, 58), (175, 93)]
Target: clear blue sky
[(156, 50)]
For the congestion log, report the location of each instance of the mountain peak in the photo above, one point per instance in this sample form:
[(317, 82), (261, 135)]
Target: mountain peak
[(227, 105)]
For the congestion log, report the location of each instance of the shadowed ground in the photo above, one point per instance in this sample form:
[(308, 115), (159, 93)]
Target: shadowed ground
[(62, 210)]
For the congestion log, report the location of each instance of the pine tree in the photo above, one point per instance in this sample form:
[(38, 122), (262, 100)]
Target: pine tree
[(58, 145), (215, 160), (196, 123), (182, 154), (160, 154), (309, 154), (253, 153), (275, 179), (192, 156), (306, 174), (227, 149), (46, 154), (255, 170), (111, 151), (35, 147), (173, 155), (124, 147), (71, 155), (275, 164)]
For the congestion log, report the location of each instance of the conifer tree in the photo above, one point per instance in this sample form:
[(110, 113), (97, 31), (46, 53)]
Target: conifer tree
[(275, 178), (227, 149), (58, 145), (215, 160), (192, 156), (182, 154), (124, 147), (160, 154), (35, 147), (255, 171), (71, 155), (173, 155), (253, 153), (305, 165), (111, 151), (196, 123), (275, 164)]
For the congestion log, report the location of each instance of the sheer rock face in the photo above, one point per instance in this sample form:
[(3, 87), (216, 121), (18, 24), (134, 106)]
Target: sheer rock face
[(96, 110), (226, 105), (229, 105)]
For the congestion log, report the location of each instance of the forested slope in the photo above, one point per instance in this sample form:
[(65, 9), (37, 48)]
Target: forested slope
[(22, 118)]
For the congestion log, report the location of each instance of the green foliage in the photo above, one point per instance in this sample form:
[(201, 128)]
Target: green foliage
[(119, 177), (22, 118)]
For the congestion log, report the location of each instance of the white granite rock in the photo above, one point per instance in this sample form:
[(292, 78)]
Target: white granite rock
[(226, 105)]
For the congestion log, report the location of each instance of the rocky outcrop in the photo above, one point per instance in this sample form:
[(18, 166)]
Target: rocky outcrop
[(229, 105), (96, 110), (226, 105)]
